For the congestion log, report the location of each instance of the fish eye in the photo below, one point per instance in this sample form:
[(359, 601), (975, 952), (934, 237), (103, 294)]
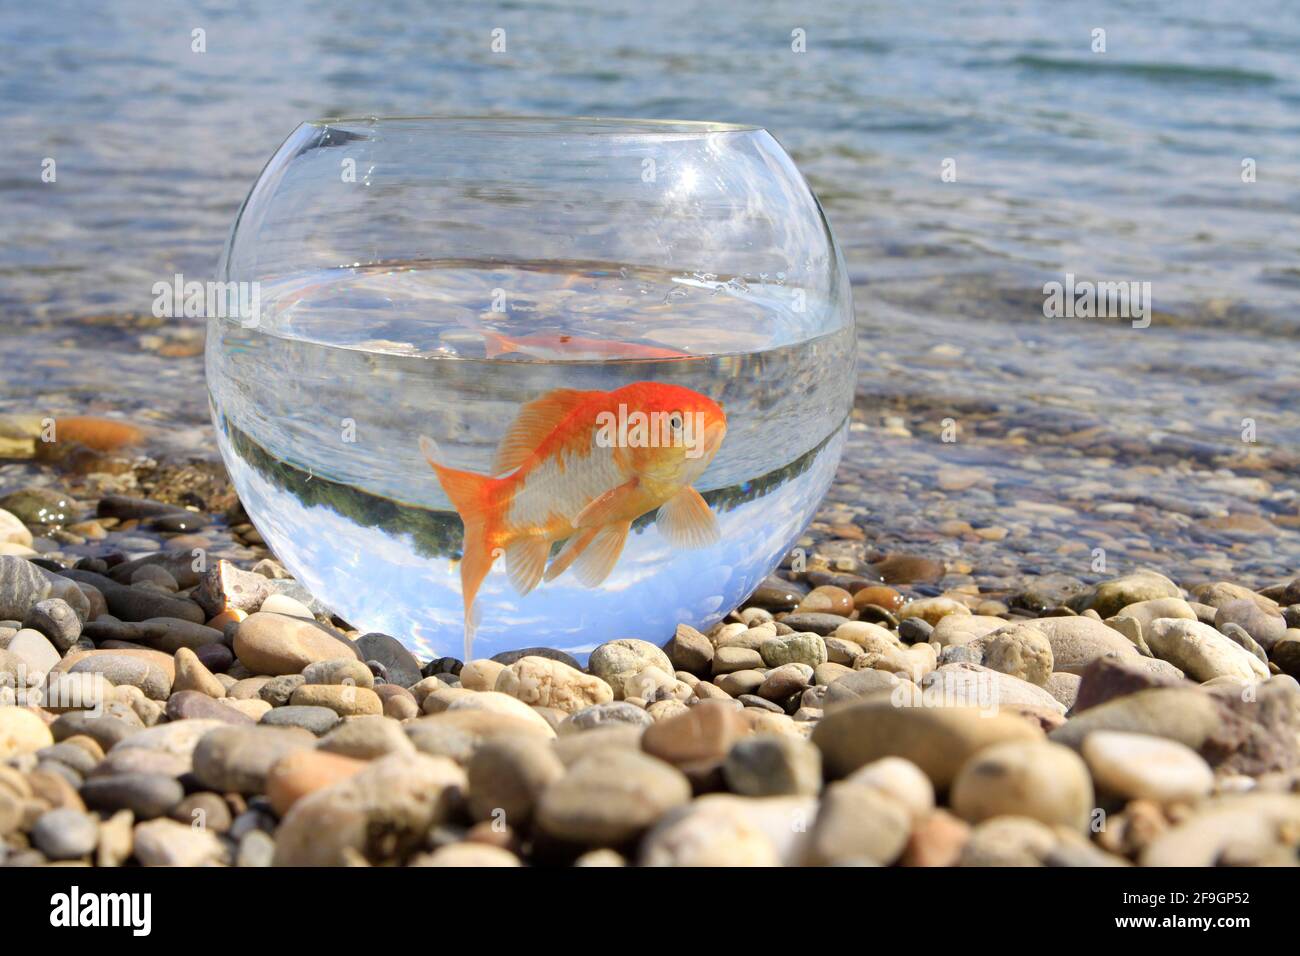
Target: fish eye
[(675, 421)]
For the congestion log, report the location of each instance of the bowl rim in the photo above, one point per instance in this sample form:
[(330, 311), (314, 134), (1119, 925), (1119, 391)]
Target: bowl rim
[(535, 124)]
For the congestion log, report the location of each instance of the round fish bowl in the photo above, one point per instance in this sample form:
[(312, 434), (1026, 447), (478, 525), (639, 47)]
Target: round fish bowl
[(498, 383)]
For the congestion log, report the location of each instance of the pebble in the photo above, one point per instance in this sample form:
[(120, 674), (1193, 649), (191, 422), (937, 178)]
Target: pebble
[(56, 620), (728, 660), (301, 772), (1142, 767), (193, 705), (819, 623), (1064, 688), (238, 759), (341, 671), (1036, 779), (383, 812), (972, 685), (65, 834), (689, 650), (1008, 841), (543, 682), (862, 684), (604, 715), (276, 644), (1075, 641), (507, 777), (22, 732), (724, 830), (900, 779), (1247, 830), (829, 599), (879, 596), (468, 855), (498, 703), (1110, 597), (165, 842), (767, 765), (785, 681), (481, 674), (957, 629), (399, 703), (616, 662), (203, 809), (1201, 652), (116, 839), (609, 797), (402, 667), (933, 610), (799, 648), (317, 720), (939, 740), (507, 658), (857, 825), (191, 675), (129, 668), (344, 699), (936, 840), (224, 586), (703, 734), (1022, 653), (33, 649), (146, 795)]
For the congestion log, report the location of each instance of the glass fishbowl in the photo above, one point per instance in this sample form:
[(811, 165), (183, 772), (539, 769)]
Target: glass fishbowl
[(497, 383)]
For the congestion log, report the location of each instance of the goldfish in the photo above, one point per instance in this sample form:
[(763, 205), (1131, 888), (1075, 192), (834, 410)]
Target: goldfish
[(580, 467)]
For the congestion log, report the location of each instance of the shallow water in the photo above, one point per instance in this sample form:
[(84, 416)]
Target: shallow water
[(319, 408), (1123, 165)]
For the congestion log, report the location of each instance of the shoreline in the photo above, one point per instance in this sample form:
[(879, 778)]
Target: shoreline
[(905, 715)]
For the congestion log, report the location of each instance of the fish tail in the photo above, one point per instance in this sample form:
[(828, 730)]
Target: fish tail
[(494, 343), (475, 499)]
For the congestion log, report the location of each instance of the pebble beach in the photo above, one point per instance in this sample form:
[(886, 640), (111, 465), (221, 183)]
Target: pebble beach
[(1047, 615), (174, 698)]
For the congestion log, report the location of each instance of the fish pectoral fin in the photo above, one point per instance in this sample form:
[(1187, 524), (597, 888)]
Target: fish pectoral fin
[(599, 557), (569, 553), (535, 421), (686, 520), (607, 508), (526, 561)]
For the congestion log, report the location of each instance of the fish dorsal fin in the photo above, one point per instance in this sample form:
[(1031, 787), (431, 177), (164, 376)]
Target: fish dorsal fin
[(536, 420)]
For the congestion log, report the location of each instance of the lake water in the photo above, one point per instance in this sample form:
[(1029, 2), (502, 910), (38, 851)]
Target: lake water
[(1173, 444)]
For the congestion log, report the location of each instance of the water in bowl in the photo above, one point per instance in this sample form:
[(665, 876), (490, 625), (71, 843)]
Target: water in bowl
[(321, 404)]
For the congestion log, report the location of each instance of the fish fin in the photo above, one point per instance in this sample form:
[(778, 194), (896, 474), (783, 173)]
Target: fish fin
[(494, 344), (686, 520), (536, 420), (599, 557), (473, 498), (469, 493), (607, 508), (571, 550), (526, 561)]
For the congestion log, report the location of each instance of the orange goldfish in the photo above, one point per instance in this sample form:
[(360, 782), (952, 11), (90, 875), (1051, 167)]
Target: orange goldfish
[(583, 466)]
